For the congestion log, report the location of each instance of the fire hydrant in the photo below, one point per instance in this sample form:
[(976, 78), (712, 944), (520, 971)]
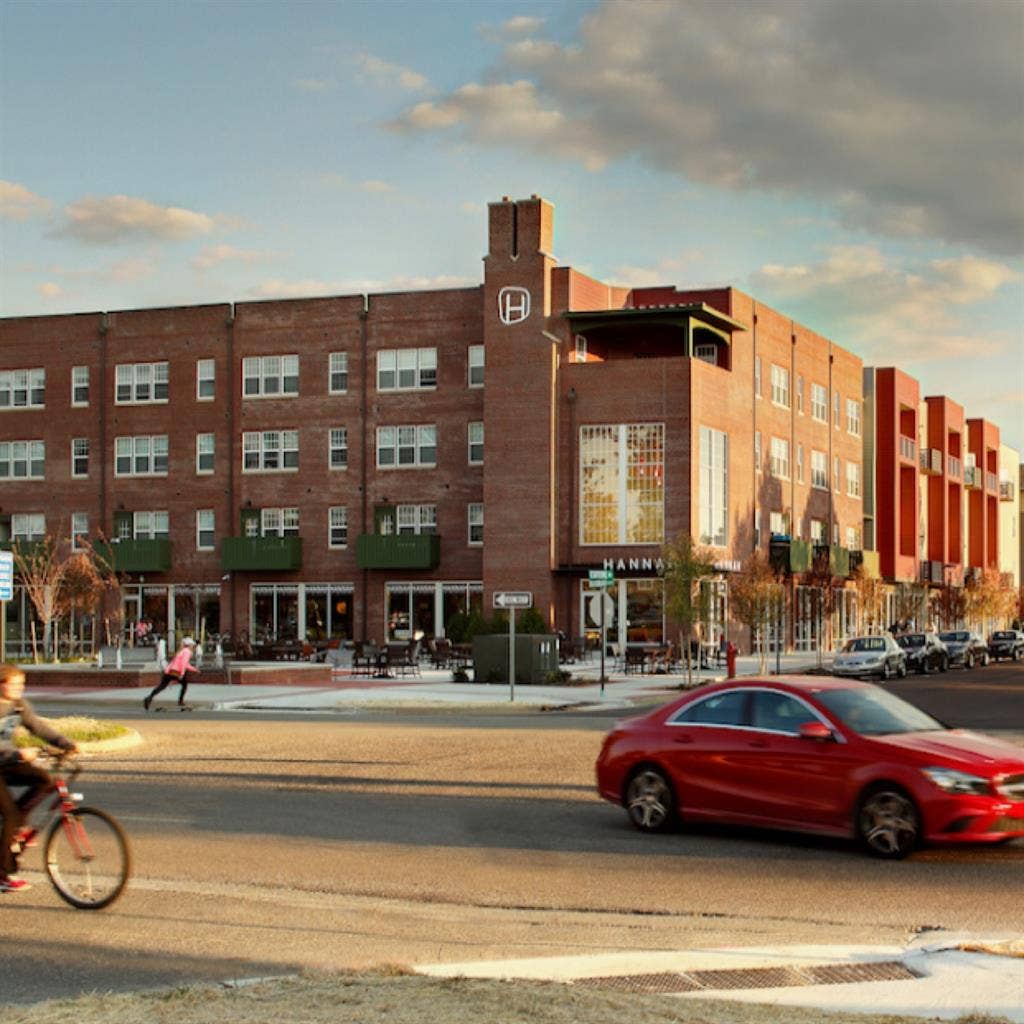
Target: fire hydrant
[(730, 661)]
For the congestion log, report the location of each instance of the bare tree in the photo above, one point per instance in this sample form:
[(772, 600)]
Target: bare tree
[(949, 606), (870, 600), (42, 567), (753, 593), (989, 598)]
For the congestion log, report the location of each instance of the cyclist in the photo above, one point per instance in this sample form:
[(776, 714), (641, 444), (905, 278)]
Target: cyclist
[(176, 672), (17, 768)]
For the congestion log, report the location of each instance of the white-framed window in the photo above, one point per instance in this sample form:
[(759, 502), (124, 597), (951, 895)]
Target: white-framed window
[(714, 487), (476, 443), (819, 403), (622, 483), (407, 447), (416, 518), (80, 456), (28, 527), (337, 374), (79, 385), (475, 523), (800, 394), (836, 466), (206, 380), (23, 389), (580, 348), (79, 529), (799, 463), (337, 448), (817, 531), (151, 525), (404, 369), (757, 450), (853, 416), (145, 455), (853, 538), (206, 535), (837, 404), (780, 386), (270, 451), (780, 458), (270, 376), (206, 449), (757, 376), (337, 526), (141, 383), (706, 353), (819, 470), (22, 460), (778, 524), (476, 366), (853, 479), (279, 522)]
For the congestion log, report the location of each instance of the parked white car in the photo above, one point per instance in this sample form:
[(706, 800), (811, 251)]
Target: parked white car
[(871, 656)]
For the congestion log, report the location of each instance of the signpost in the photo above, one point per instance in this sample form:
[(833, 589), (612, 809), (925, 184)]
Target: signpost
[(510, 600), (600, 579), (6, 594)]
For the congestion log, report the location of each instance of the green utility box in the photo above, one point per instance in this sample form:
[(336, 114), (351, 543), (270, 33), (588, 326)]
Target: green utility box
[(536, 657)]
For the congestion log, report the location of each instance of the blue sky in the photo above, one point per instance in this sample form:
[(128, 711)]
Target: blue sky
[(857, 165)]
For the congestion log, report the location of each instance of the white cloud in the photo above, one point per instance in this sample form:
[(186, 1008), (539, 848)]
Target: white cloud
[(49, 290), (212, 255), (307, 288), (19, 203), (105, 220), (379, 187), (382, 72), (666, 271), (909, 118), (132, 270), (313, 84), (523, 25), (887, 313)]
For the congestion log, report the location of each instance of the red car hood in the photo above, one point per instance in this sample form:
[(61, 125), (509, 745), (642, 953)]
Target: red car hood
[(968, 749)]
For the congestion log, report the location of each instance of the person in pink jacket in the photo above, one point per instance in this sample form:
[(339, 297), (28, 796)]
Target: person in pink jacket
[(177, 671)]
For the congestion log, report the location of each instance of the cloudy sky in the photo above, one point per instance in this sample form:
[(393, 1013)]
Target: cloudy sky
[(859, 165)]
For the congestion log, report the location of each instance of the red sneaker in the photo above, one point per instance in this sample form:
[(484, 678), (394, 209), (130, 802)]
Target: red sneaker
[(8, 884), (26, 838)]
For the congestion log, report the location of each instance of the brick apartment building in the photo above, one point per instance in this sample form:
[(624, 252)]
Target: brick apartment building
[(369, 466)]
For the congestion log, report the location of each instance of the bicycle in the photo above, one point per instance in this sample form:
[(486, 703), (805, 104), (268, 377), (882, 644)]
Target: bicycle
[(85, 850)]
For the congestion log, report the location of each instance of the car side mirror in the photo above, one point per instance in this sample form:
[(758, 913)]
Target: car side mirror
[(817, 731)]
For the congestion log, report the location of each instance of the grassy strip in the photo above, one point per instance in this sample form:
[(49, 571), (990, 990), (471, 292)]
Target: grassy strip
[(358, 998), (75, 727)]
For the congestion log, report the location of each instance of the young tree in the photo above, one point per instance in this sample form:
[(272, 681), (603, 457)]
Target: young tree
[(684, 566), (821, 582), (870, 600), (987, 599), (42, 567), (949, 606), (753, 594)]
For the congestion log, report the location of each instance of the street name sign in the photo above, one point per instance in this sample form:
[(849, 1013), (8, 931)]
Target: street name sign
[(601, 577), (513, 599), (6, 576)]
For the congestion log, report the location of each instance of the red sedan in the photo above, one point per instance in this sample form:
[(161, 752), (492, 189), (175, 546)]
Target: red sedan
[(814, 754)]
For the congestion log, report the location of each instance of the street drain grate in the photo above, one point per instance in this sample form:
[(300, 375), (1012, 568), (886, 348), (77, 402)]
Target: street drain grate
[(754, 977)]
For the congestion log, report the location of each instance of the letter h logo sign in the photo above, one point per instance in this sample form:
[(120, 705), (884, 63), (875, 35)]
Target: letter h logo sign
[(513, 305)]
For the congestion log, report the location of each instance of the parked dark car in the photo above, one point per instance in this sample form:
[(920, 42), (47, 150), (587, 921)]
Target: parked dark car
[(814, 754), (1006, 643), (925, 652), (965, 648)]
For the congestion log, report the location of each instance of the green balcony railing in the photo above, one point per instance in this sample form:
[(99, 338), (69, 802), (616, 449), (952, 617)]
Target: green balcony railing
[(261, 554), (398, 551), (838, 558), (130, 555), (790, 556)]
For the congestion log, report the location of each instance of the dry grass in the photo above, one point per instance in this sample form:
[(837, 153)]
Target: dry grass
[(76, 727), (395, 997)]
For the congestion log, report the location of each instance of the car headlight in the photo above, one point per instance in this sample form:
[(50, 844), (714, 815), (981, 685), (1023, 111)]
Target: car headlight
[(952, 781)]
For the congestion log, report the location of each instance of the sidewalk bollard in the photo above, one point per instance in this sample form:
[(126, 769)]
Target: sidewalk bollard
[(730, 661)]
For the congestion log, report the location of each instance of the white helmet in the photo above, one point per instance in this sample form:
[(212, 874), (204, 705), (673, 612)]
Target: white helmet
[(188, 642)]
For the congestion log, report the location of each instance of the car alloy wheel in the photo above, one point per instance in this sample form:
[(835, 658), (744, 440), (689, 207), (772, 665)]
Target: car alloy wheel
[(886, 672), (901, 669), (888, 824), (969, 661), (649, 801)]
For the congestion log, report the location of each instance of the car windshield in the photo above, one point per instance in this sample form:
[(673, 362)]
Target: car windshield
[(958, 637), (911, 640), (865, 643), (1003, 635), (872, 711)]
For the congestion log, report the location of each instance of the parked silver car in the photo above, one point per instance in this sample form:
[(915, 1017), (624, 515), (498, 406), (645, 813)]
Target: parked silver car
[(1006, 643), (965, 648), (871, 656)]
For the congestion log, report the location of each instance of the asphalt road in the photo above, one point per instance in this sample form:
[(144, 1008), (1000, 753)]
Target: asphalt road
[(263, 846)]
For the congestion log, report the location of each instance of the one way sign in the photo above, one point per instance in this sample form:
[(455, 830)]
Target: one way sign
[(513, 599)]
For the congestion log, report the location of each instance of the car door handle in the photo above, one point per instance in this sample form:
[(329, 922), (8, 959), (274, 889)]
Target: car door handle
[(757, 743), (682, 739)]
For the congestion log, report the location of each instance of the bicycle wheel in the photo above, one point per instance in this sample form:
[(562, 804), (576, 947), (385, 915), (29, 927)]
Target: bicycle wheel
[(87, 858)]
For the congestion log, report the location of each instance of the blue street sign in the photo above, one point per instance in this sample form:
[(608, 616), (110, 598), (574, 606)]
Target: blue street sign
[(6, 576)]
